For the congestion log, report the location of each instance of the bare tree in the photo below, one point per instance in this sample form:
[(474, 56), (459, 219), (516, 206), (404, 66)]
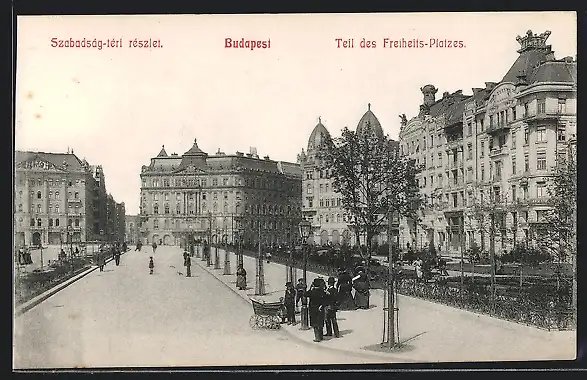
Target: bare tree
[(374, 181)]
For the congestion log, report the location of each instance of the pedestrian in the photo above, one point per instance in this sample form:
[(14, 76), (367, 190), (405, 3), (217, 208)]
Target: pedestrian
[(290, 303), (188, 265), (117, 257), (154, 245), (268, 256), (344, 287), (331, 306), (316, 296), (185, 257), (300, 291), (139, 246), (241, 278), (151, 265), (361, 285), (101, 261), (418, 269)]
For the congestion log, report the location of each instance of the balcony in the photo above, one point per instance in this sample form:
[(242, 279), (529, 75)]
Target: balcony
[(547, 115), (74, 200), (496, 128), (499, 151)]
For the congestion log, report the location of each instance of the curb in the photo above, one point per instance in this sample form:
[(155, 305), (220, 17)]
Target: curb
[(43, 296), (361, 353)]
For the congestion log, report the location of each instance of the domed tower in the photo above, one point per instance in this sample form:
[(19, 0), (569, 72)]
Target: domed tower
[(369, 123), (317, 137)]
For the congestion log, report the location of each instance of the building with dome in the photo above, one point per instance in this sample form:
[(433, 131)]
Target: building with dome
[(59, 198), (219, 197), (321, 204), (496, 146)]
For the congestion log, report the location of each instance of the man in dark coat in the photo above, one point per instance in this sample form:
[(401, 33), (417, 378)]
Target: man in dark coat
[(316, 296), (331, 306), (344, 287), (289, 300), (188, 265), (117, 256), (300, 291)]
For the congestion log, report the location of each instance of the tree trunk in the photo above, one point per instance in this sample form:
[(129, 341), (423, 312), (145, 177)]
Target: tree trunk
[(492, 255)]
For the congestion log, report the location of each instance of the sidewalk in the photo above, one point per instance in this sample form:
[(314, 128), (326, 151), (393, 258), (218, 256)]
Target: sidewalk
[(430, 332)]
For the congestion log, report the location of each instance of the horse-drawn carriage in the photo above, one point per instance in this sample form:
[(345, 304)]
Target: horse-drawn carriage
[(266, 315)]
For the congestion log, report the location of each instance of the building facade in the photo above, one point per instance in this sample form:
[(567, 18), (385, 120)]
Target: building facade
[(485, 158), (219, 198), (57, 199), (321, 204), (132, 233)]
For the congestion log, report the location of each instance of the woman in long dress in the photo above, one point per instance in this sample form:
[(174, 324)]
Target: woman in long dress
[(241, 278), (361, 285), (344, 286)]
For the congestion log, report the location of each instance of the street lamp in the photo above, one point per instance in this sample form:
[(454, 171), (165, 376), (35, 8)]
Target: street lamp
[(226, 255), (216, 256), (241, 237), (305, 228), (260, 275)]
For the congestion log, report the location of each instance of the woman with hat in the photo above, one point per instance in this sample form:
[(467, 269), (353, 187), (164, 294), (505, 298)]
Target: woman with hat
[(241, 278), (289, 300), (361, 285), (344, 286)]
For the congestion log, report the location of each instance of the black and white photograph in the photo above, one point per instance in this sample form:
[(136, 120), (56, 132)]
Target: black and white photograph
[(294, 189)]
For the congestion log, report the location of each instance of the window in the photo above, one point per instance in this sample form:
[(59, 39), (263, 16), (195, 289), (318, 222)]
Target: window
[(541, 134), (561, 133), (424, 143), (514, 113), (321, 202), (32, 222), (541, 107), (439, 159), (498, 170), (469, 174), (440, 180), (455, 199), (20, 207), (482, 125), (204, 182), (327, 202), (155, 209), (155, 223), (226, 195), (215, 182), (77, 222), (225, 181), (562, 106), (514, 165), (526, 109), (38, 195), (482, 152), (525, 189), (424, 181), (215, 195), (469, 151), (50, 222), (177, 208), (497, 194), (470, 129), (39, 223), (540, 215), (39, 209), (526, 135), (541, 160), (326, 186), (321, 188), (167, 209), (501, 140), (431, 140), (309, 189), (491, 121), (513, 139), (541, 189), (514, 194), (57, 208), (526, 163)]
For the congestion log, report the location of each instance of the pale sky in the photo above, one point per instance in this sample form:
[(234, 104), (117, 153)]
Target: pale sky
[(116, 106)]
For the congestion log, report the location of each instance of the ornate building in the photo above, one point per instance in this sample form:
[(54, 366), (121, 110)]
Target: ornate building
[(321, 203), (494, 149), (219, 197), (57, 198), (132, 233)]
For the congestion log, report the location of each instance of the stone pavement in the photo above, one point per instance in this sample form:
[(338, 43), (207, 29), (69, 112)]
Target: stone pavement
[(430, 332)]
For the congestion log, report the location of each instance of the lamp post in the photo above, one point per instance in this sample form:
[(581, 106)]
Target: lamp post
[(241, 236), (305, 228), (226, 256), (260, 275), (216, 256)]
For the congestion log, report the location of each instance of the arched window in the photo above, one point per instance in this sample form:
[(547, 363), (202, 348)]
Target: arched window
[(57, 208), (167, 209), (57, 222), (177, 208), (38, 195), (32, 222), (225, 207), (77, 222), (69, 222), (39, 209), (50, 222), (156, 209), (215, 207), (20, 207), (39, 222)]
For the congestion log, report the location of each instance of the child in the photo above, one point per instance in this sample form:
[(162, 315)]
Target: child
[(151, 265), (282, 310)]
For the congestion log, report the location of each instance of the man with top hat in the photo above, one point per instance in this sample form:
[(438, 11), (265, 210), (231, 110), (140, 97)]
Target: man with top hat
[(316, 296), (289, 301), (331, 306)]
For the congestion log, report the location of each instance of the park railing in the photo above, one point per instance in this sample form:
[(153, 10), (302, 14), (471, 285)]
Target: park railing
[(542, 309), (28, 285)]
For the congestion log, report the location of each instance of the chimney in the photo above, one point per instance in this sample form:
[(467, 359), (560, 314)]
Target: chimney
[(239, 154), (266, 158)]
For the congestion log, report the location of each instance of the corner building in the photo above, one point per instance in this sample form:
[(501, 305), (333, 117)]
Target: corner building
[(219, 198), (58, 198), (497, 146), (321, 203)]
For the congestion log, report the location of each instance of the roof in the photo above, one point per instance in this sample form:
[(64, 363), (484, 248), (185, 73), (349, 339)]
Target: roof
[(450, 105), (316, 137), (72, 161), (564, 70), (195, 150), (370, 121), (525, 63), (162, 153)]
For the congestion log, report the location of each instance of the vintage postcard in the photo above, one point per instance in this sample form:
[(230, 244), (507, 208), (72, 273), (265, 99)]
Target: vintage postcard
[(294, 189)]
